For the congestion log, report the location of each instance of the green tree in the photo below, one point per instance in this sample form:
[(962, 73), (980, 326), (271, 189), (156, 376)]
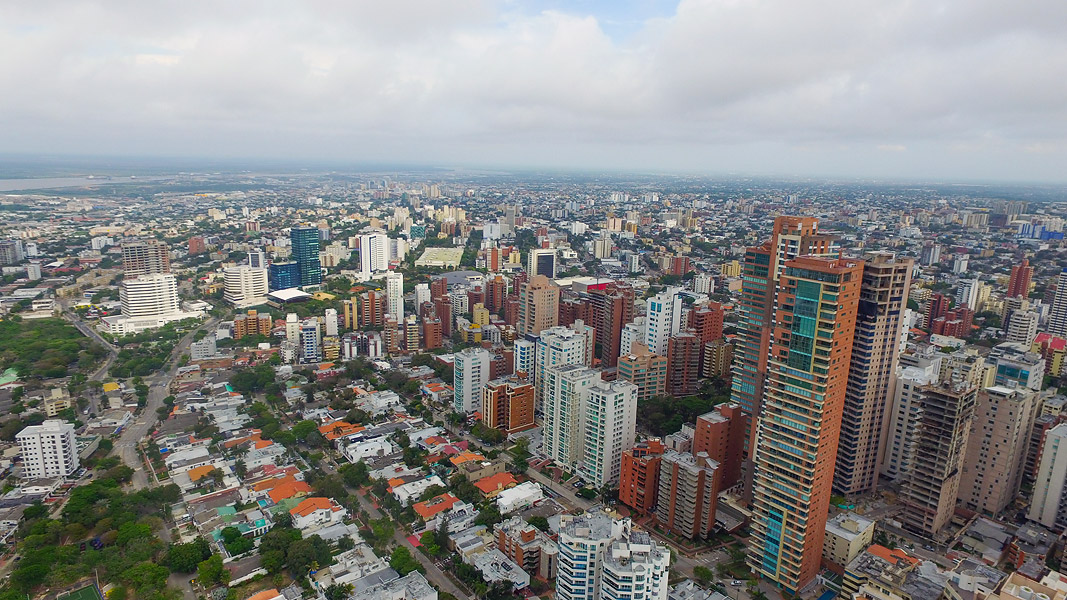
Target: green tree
[(184, 558), (403, 562), (211, 571)]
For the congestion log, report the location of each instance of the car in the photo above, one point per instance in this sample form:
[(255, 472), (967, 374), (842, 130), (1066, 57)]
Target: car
[(579, 484), (737, 582)]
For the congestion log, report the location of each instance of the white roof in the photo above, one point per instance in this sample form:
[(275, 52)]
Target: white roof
[(288, 295)]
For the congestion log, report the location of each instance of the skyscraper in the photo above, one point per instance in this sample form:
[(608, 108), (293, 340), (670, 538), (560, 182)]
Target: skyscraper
[(791, 237), (800, 420), (146, 257), (541, 261), (647, 370), (538, 305), (663, 319), (244, 286), (883, 298), (373, 252), (609, 426), (305, 241), (283, 275), (556, 346), (932, 480), (48, 450), (604, 559), (688, 493), (612, 308), (1049, 505), (394, 292), (1057, 323), (565, 389), (1019, 284), (996, 448), (683, 364), (471, 375)]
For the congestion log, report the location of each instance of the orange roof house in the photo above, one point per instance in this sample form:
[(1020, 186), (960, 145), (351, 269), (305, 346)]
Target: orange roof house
[(339, 429), (289, 489), (494, 484), (310, 505), (198, 473), (463, 457), (435, 505), (271, 594)]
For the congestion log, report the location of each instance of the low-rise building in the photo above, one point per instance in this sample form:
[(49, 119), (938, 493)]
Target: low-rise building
[(847, 535)]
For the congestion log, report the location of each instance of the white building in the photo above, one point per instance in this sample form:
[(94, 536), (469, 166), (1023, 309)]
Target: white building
[(600, 559), (317, 512), (1022, 327), (566, 391), (310, 341), (373, 253), (519, 497), (48, 450), (524, 356), (148, 301), (663, 319), (967, 293), (394, 291), (541, 261), (422, 295), (704, 283), (1057, 324), (471, 374), (330, 322), (1049, 506), (631, 332), (245, 286), (556, 346), (609, 425), (412, 586)]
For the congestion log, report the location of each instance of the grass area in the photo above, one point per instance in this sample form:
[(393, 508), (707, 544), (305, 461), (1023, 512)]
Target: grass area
[(46, 348)]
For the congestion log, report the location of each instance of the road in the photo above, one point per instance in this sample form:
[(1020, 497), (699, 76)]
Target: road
[(127, 444), (433, 573), (101, 372)]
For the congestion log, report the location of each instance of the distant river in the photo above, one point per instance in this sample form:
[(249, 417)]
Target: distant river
[(44, 183)]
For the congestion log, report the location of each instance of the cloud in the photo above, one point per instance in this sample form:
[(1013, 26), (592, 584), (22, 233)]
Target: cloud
[(717, 85)]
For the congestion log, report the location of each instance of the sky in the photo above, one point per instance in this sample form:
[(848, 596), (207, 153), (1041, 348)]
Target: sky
[(915, 89)]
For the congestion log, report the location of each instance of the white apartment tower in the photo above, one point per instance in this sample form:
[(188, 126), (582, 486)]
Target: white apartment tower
[(566, 391), (913, 372), (471, 374), (422, 295), (245, 286), (604, 559), (394, 292), (609, 426), (524, 355), (1049, 505), (1057, 323), (663, 319), (556, 346), (373, 253), (48, 450), (149, 296)]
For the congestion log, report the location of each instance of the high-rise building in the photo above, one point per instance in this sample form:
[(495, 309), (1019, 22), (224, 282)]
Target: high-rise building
[(283, 276), (610, 428), (1019, 284), (720, 434), (791, 237), (1057, 323), (394, 292), (1049, 504), (305, 242), (146, 257), (11, 252), (556, 346), (372, 309), (538, 305), (931, 482), (565, 390), (471, 375), (525, 357), (800, 420), (604, 559), (422, 294), (48, 450), (639, 475), (541, 261), (706, 321), (310, 340), (431, 333), (996, 448), (1022, 327), (683, 364), (688, 494), (149, 296), (663, 319), (508, 405), (883, 298), (411, 333), (197, 245), (645, 369), (915, 372), (257, 259), (612, 307), (244, 286), (373, 252)]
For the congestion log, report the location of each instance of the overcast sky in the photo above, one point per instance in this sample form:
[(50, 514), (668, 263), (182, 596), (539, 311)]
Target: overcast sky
[(944, 89)]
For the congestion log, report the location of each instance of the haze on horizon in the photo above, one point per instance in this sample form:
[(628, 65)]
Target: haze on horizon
[(970, 90)]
